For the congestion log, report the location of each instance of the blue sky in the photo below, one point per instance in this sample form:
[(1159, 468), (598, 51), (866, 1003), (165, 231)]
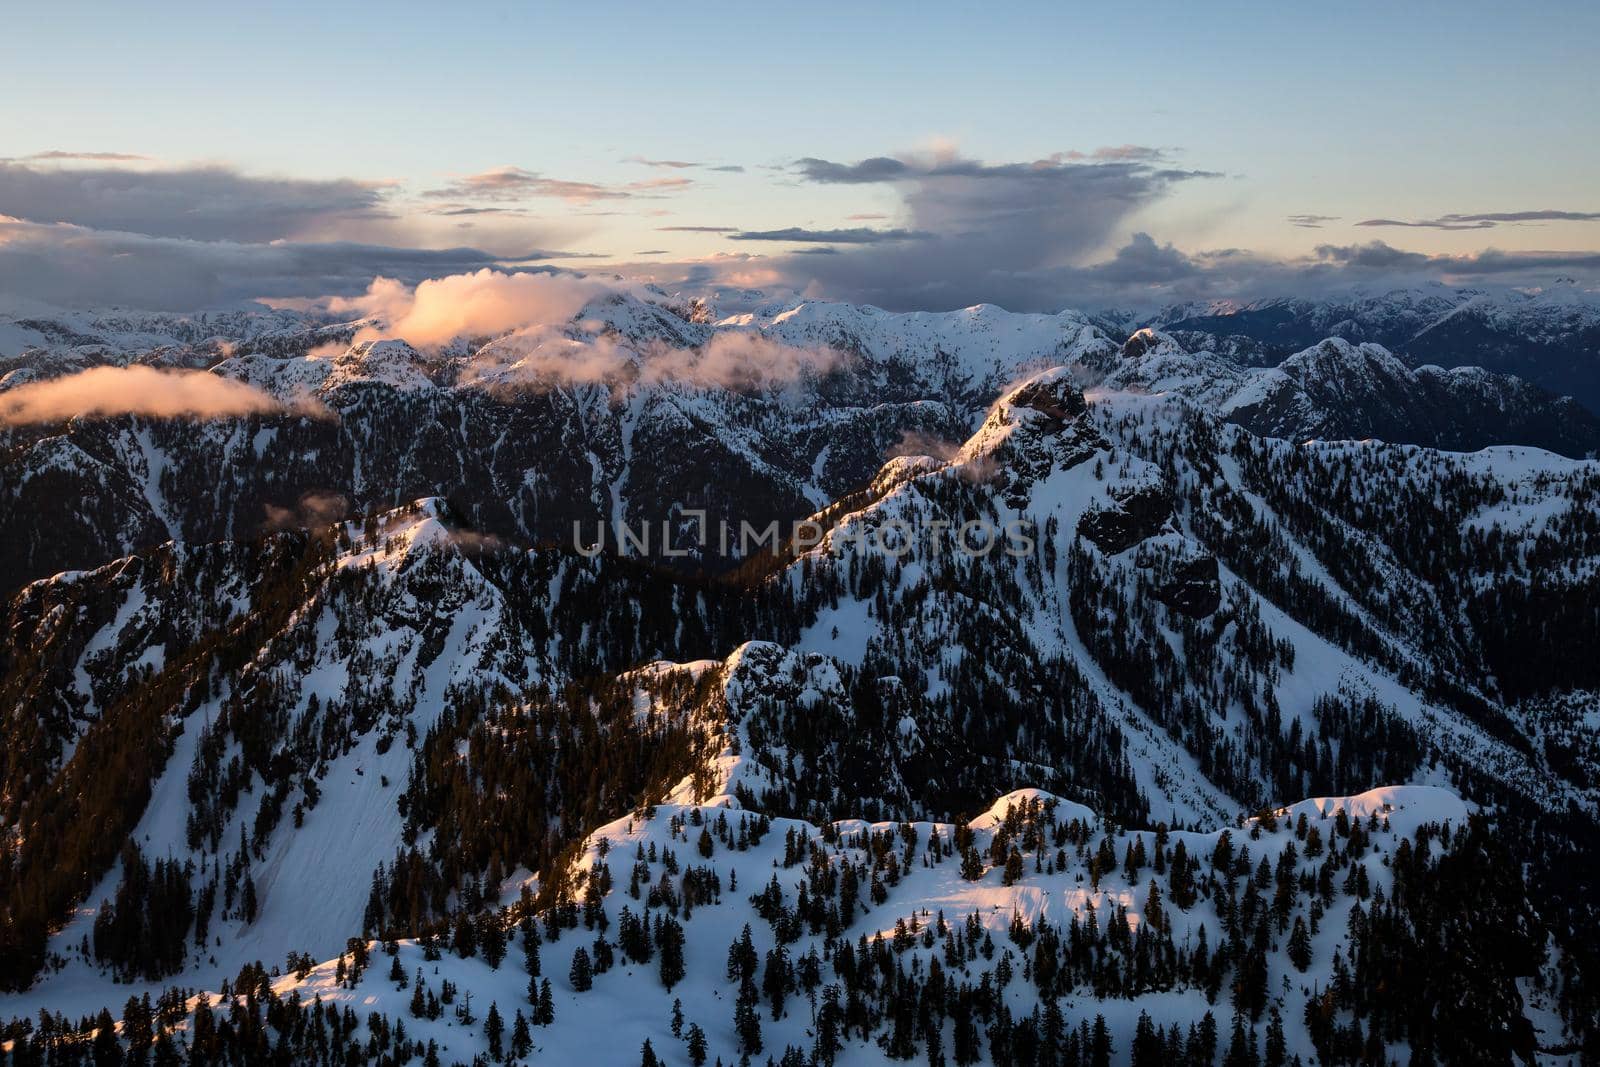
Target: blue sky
[(1354, 112)]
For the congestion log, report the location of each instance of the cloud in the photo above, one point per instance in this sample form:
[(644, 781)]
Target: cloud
[(860, 235), (1490, 262), (683, 164), (541, 357), (540, 338), (1143, 262), (917, 443), (650, 184), (453, 210), (697, 229), (1311, 222), (486, 303), (1144, 273), (514, 183), (210, 203), (1004, 233), (74, 266), (312, 509), (876, 169), (1487, 220), (103, 157), (673, 164), (136, 390)]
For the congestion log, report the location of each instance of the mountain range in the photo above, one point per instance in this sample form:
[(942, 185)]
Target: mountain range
[(331, 739)]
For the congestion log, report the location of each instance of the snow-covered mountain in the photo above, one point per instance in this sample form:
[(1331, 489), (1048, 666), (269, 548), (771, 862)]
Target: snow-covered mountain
[(402, 729), (1549, 336), (1338, 390), (631, 413)]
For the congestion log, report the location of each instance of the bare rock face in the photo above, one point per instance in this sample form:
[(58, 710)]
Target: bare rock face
[(1194, 588), (1141, 512), (1053, 396)]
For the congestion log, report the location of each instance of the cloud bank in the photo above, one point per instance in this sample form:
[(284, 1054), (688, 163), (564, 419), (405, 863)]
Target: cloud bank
[(211, 203), (74, 266), (107, 391)]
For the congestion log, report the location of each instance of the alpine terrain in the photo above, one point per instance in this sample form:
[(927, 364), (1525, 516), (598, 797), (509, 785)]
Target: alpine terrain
[(805, 683)]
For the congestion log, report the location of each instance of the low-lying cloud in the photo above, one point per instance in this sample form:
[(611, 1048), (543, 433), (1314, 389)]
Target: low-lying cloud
[(543, 357), (485, 303), (311, 510), (108, 391), (542, 338)]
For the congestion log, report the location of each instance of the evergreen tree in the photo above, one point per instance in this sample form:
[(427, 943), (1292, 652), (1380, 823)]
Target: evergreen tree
[(494, 1028), (1300, 945), (521, 1036), (582, 973), (697, 1045)]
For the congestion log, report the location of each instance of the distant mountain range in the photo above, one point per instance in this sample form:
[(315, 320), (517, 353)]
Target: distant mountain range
[(1550, 337)]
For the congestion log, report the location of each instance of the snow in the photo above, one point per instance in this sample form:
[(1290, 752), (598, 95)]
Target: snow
[(628, 1004)]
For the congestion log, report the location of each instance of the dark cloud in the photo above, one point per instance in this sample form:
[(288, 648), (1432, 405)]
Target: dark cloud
[(876, 169), (73, 266), (652, 252), (1374, 255), (728, 168), (1487, 220), (212, 203), (1004, 233), (1377, 256), (1311, 222), (697, 229), (859, 235), (1062, 166), (1144, 262)]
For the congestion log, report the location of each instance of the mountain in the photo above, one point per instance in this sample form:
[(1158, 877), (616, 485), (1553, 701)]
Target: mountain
[(617, 419), (1338, 390), (1550, 336), (408, 733)]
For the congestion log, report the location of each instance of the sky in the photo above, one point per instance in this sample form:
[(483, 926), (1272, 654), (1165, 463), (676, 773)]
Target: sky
[(913, 155)]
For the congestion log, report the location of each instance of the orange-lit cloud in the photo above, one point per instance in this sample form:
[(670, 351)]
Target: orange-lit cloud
[(486, 303), (107, 391)]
